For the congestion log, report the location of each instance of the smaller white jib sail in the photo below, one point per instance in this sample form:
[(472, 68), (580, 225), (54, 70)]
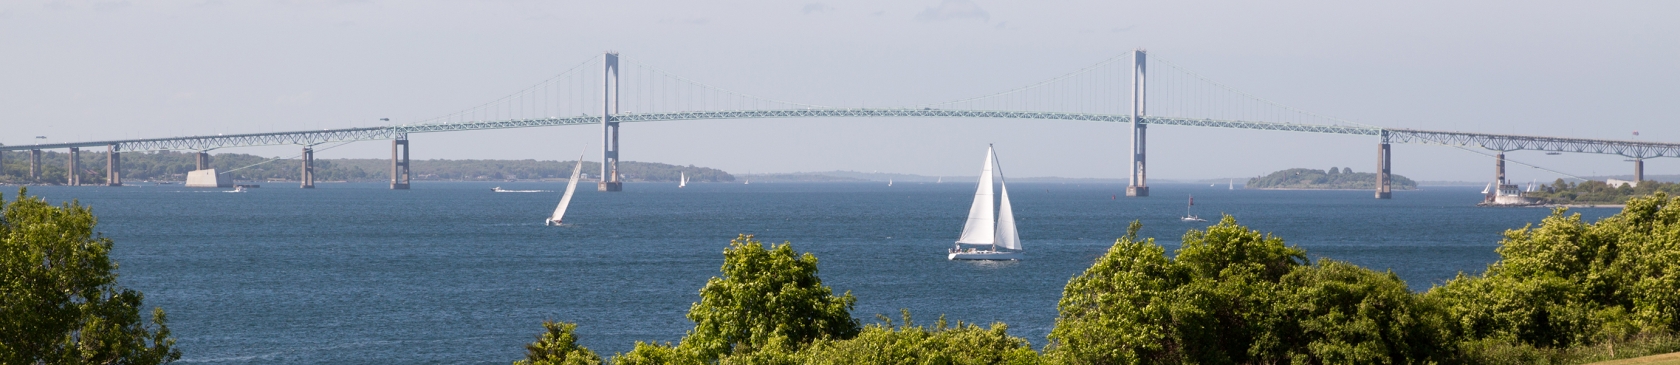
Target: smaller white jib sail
[(571, 186), (1007, 238)]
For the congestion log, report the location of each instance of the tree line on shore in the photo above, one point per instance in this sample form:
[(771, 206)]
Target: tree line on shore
[(1599, 192), (1564, 292), (1333, 178), (173, 166)]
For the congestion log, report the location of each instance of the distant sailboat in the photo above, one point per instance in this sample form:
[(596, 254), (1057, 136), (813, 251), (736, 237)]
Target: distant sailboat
[(996, 238), (682, 180), (1191, 217), (1231, 184), (749, 178), (565, 200), (889, 182), (1487, 189), (940, 181)]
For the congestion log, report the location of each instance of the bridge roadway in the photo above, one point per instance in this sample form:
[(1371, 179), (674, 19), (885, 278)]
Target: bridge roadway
[(1637, 150)]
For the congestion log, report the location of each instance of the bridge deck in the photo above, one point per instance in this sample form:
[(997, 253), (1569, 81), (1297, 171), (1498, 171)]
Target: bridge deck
[(1500, 142)]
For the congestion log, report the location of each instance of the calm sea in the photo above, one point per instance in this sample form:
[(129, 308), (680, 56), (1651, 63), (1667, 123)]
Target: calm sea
[(454, 273)]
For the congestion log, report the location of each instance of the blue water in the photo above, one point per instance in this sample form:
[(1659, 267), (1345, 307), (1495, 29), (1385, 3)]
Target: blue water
[(453, 273)]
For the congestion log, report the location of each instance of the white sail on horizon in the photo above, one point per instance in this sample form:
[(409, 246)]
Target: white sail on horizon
[(981, 229), (571, 186), (682, 179)]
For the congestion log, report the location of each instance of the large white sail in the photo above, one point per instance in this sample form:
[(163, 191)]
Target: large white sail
[(682, 179), (571, 186), (1007, 238), (980, 228)]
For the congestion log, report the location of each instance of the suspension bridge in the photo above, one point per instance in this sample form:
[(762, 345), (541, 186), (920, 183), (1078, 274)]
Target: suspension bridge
[(607, 90)]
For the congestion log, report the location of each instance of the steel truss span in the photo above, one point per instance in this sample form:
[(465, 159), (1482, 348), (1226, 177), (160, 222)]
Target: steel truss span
[(1633, 149)]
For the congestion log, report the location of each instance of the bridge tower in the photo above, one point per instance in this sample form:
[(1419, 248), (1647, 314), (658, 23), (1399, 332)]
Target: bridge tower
[(399, 162), (1138, 186), (34, 165), (72, 175), (609, 128), (307, 175), (113, 166), (1384, 163)]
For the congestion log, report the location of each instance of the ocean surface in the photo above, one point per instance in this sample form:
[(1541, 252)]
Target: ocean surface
[(450, 272)]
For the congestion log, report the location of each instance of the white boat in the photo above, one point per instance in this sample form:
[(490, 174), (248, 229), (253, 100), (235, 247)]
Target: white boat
[(889, 182), (1487, 189), (682, 180), (1230, 184), (985, 237), (238, 189), (566, 199), (940, 181), (1191, 217)]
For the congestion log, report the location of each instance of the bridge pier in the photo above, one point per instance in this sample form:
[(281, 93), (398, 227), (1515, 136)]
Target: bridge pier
[(72, 177), (307, 175), (1384, 181), (609, 128), (1139, 186), (399, 163), (113, 166), (34, 165), (203, 160), (1638, 170)]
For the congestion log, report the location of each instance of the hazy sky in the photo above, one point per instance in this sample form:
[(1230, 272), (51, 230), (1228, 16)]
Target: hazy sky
[(95, 70)]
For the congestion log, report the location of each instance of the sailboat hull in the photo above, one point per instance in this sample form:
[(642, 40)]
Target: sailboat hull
[(984, 255)]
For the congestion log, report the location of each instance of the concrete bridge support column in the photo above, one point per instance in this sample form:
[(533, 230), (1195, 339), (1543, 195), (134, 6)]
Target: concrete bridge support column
[(203, 160), (1638, 170), (34, 164), (307, 175), (1499, 169), (609, 128), (399, 163), (1139, 185), (113, 166), (1384, 181), (73, 174)]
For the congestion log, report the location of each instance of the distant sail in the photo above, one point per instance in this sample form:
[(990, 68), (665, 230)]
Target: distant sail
[(682, 179), (571, 186), (980, 228)]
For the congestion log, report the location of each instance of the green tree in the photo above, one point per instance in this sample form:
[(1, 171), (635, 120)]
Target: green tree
[(1235, 295), (59, 301), (907, 343), (766, 296), (558, 346)]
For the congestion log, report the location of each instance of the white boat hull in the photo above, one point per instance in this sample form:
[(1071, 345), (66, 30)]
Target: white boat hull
[(984, 255)]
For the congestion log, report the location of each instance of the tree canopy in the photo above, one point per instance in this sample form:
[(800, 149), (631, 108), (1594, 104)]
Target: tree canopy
[(59, 298)]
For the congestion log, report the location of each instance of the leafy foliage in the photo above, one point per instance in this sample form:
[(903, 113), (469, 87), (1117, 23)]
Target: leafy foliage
[(1326, 179), (907, 343), (59, 301), (1569, 283), (558, 346), (1234, 295), (765, 297)]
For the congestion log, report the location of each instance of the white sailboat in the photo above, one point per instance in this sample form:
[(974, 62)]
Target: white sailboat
[(682, 180), (566, 199), (1487, 189), (1231, 184), (1191, 217), (889, 182), (985, 237)]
